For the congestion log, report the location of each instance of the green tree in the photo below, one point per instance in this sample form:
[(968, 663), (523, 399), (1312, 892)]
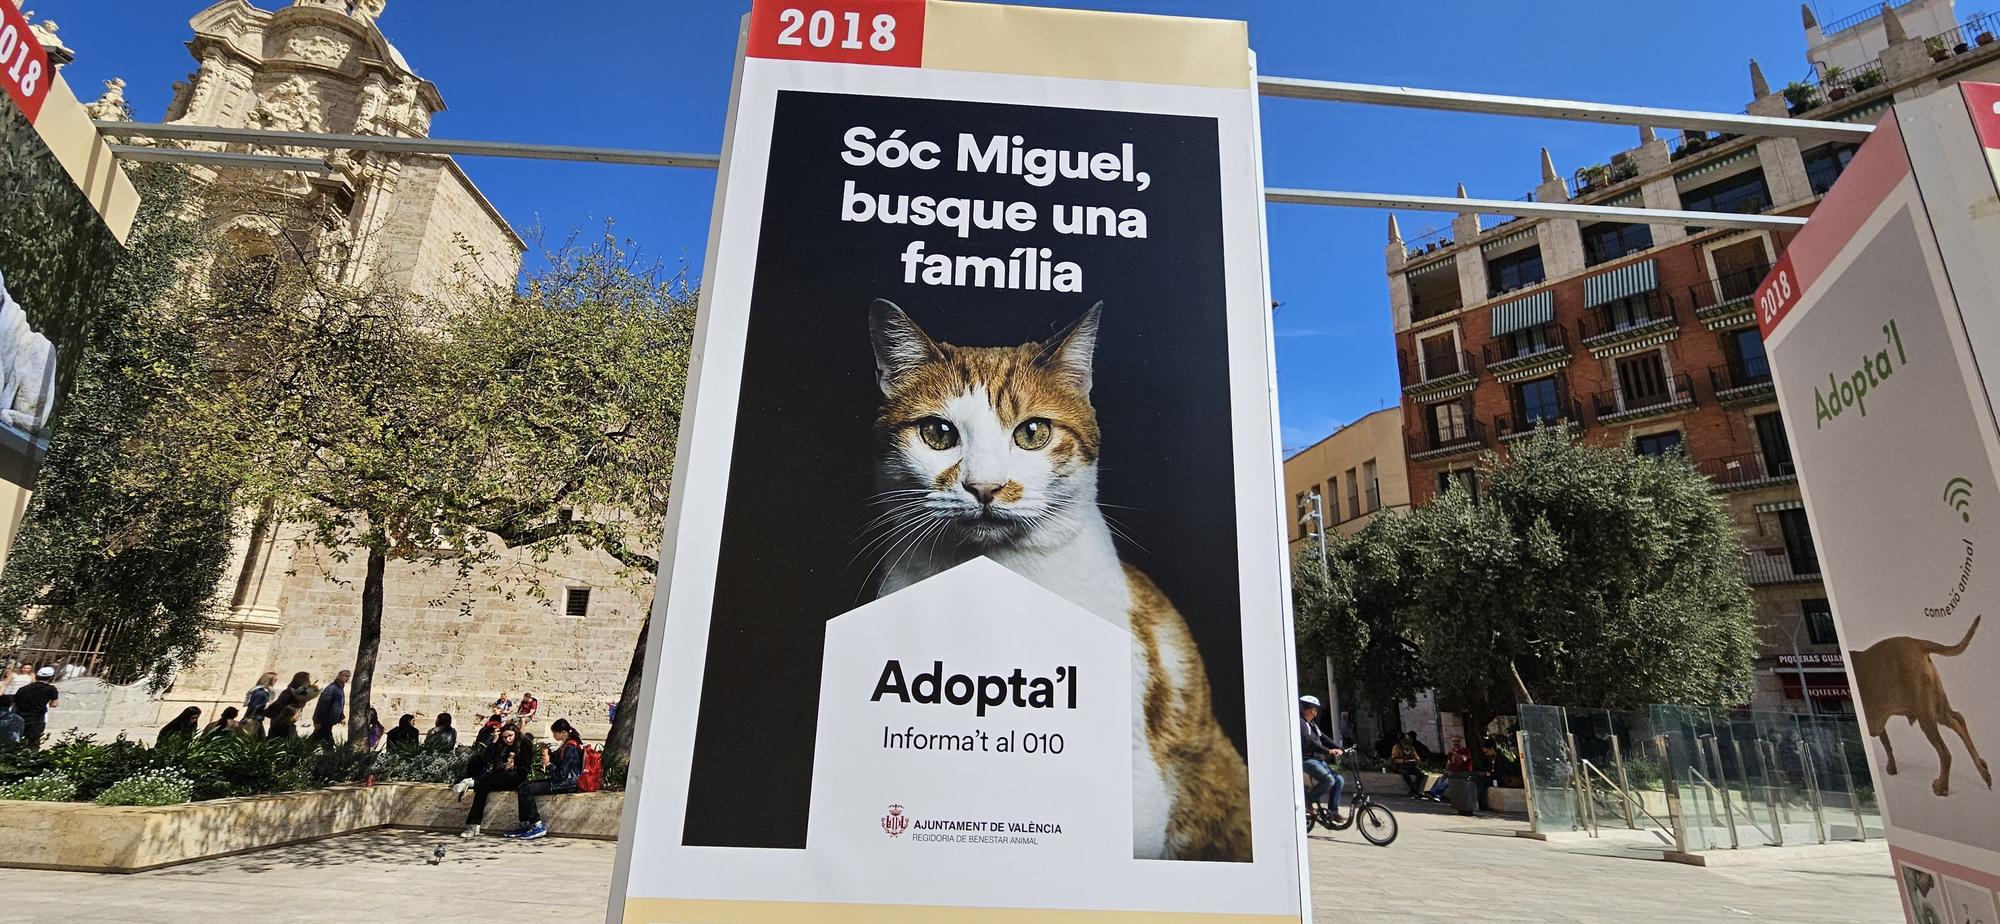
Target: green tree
[(129, 530), (1583, 575), (445, 431)]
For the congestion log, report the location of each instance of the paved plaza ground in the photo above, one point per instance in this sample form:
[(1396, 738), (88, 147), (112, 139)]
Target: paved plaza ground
[(1442, 868)]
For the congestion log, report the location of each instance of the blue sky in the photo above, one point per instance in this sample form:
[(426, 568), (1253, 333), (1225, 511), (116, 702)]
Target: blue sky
[(652, 74)]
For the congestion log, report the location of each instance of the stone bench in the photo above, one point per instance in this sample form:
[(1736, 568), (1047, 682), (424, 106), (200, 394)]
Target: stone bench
[(82, 837)]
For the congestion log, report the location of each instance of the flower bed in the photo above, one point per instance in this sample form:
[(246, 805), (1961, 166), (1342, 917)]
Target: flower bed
[(84, 837)]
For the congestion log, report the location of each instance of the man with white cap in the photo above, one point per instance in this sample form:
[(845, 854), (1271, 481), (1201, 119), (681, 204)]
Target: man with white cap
[(33, 703), (1317, 751)]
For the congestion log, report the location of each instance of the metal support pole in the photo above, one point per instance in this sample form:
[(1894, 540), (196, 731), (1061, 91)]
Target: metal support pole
[(1673, 789), (1520, 208), (1624, 784), (1569, 109), (1811, 769), (1770, 801), (1579, 785), (1722, 786), (1527, 779), (1853, 798), (314, 165)]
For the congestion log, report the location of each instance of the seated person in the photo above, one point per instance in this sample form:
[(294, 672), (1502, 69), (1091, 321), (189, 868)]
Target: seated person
[(1456, 760), (564, 762), (1403, 762)]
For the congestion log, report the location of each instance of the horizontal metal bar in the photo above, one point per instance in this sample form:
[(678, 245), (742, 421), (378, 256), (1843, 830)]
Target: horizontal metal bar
[(1528, 209), (221, 158), (1574, 110), (390, 145)]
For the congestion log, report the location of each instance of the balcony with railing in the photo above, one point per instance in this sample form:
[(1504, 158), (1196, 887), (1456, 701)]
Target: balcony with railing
[(1468, 436), (1615, 405), (1518, 357), (1629, 325), (1741, 380), (1726, 300), (1566, 414), (1438, 375), (1749, 470), (1817, 90), (1776, 566)]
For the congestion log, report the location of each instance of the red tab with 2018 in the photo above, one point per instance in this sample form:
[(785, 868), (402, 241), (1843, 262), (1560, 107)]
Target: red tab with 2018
[(882, 32)]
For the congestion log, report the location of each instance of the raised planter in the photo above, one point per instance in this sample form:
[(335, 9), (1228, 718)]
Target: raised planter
[(82, 837)]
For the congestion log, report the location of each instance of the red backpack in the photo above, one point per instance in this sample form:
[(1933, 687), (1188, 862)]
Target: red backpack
[(592, 779)]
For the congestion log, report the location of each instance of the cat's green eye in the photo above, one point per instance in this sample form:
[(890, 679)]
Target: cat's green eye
[(937, 433), (1033, 433)]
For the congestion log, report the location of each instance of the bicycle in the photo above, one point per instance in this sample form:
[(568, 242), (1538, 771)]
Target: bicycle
[(1374, 820)]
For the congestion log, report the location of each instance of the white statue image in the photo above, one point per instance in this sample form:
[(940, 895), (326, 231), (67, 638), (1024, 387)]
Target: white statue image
[(27, 369)]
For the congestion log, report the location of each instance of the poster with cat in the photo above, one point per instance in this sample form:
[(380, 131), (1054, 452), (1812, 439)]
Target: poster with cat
[(974, 596)]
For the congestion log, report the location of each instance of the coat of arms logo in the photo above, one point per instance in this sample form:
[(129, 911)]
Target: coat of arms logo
[(895, 822)]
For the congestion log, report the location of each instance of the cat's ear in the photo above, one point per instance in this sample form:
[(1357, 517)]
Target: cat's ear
[(1070, 352), (900, 345)]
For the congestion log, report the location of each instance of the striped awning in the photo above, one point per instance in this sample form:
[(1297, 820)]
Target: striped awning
[(1631, 200), (1514, 238), (1715, 165), (1778, 506), (1434, 266), (1523, 313), (1630, 279)]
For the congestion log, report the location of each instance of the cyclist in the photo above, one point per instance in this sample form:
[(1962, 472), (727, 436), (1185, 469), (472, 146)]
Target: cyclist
[(1317, 751)]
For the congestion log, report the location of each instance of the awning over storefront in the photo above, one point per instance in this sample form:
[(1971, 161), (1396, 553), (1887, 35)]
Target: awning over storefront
[(1523, 313), (1624, 281)]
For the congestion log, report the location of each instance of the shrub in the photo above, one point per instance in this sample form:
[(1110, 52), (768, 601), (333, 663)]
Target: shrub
[(230, 765), (45, 787), (151, 787), (95, 767), (418, 766)]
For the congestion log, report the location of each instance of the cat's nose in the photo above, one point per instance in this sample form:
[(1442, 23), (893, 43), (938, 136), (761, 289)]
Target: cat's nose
[(984, 491)]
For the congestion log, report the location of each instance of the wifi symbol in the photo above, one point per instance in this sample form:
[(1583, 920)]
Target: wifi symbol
[(1958, 495)]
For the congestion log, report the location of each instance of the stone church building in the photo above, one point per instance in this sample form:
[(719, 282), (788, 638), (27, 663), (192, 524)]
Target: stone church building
[(414, 222)]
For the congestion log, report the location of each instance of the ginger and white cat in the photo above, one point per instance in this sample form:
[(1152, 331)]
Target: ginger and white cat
[(992, 451)]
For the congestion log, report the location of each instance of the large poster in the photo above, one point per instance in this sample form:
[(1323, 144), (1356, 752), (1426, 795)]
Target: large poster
[(65, 208), (1882, 321), (975, 601)]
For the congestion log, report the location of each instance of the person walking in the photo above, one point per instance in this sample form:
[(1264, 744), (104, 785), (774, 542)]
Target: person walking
[(10, 721), (300, 693), (330, 710), (564, 763), (404, 737), (499, 767), (442, 736), (182, 729), (284, 722), (259, 699), (224, 725), (33, 703), (1318, 752)]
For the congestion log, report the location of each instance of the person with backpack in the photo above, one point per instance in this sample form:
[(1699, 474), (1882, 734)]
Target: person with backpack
[(565, 761)]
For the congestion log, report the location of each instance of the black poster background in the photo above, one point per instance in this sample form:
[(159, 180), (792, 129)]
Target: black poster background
[(801, 469)]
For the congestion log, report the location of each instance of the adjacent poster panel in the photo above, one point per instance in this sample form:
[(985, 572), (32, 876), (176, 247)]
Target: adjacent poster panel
[(1883, 326), (65, 208), (975, 603)]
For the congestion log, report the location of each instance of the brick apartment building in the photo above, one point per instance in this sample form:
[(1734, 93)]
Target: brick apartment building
[(1643, 335)]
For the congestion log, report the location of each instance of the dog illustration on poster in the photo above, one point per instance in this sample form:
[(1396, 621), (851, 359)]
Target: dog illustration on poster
[(993, 451), (1897, 678)]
